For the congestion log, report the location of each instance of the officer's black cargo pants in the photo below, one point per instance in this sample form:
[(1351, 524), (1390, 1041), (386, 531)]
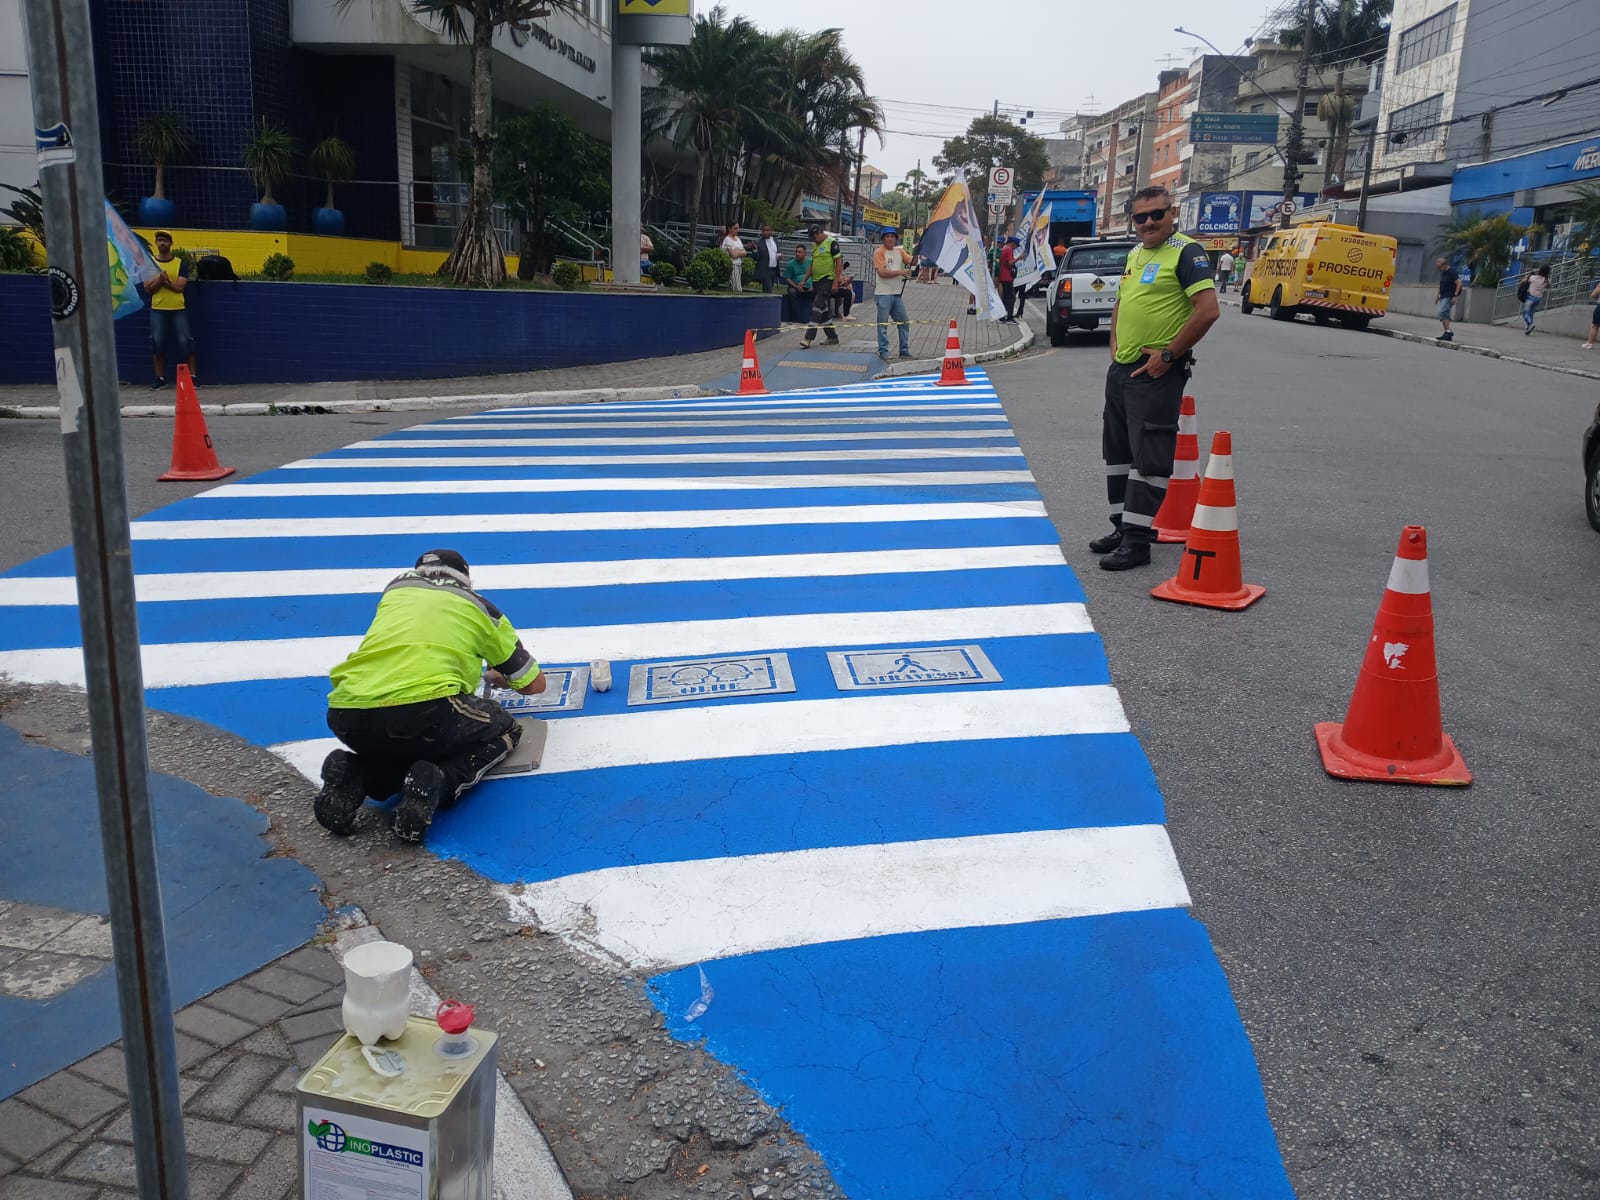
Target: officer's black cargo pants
[(1138, 441), (462, 735)]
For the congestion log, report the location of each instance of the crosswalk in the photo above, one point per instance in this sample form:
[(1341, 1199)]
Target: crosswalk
[(857, 873)]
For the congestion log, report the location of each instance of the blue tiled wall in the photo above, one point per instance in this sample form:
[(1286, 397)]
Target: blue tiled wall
[(306, 332), (222, 64)]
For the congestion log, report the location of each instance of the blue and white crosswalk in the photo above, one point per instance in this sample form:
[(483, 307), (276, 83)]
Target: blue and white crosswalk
[(945, 927)]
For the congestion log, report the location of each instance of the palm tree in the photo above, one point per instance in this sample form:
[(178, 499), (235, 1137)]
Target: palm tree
[(1586, 218), (476, 259), (1485, 241), (1354, 31)]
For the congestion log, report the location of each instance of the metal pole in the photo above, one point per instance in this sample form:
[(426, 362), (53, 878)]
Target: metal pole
[(1291, 166), (861, 157), (1366, 176), (844, 166), (61, 76), (627, 159)]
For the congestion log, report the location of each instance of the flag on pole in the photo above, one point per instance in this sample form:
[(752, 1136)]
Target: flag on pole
[(953, 239), (130, 263), (1037, 257)]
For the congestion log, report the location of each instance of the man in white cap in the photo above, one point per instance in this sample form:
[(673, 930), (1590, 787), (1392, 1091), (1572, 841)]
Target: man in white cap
[(404, 702)]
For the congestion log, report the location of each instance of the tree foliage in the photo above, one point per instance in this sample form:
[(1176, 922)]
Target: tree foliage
[(991, 142), (1485, 242), (1586, 218), (1342, 32), (547, 169)]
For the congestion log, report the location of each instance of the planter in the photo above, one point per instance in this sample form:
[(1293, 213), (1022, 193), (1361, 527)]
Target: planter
[(157, 211), (268, 218), (329, 222)]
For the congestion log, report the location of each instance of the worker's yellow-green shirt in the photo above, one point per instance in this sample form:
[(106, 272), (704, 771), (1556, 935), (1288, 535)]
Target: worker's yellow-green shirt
[(430, 638), (1156, 296), (824, 260)]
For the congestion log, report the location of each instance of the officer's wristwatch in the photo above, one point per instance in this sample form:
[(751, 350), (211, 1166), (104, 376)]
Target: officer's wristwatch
[(1166, 356)]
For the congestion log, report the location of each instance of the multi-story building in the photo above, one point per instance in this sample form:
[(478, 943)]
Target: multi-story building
[(1117, 158), (1213, 84), (1172, 133)]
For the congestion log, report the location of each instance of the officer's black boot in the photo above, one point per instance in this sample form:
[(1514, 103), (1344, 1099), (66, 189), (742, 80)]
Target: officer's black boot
[(1105, 545), (419, 800), (1134, 552), (342, 795)]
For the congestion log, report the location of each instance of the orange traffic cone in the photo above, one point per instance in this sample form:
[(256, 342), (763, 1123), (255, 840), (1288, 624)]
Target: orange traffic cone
[(193, 455), (1215, 577), (1177, 510), (1392, 730), (952, 372), (750, 381)]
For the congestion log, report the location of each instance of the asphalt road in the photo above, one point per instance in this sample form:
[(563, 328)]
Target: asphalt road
[(1418, 967)]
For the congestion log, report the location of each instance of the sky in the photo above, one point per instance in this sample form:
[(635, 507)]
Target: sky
[(934, 66)]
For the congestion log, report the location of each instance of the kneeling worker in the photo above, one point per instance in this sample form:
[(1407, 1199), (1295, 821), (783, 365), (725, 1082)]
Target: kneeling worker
[(404, 701)]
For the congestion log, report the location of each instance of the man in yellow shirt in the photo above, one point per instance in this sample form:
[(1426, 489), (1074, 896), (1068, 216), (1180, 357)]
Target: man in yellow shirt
[(169, 311), (404, 702)]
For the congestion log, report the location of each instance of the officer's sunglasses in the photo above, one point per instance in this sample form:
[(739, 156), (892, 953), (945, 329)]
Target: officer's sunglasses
[(1155, 214)]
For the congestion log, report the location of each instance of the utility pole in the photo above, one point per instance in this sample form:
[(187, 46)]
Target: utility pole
[(916, 200), (844, 165), (65, 116), (1366, 176), (861, 157), (1297, 124), (627, 160)]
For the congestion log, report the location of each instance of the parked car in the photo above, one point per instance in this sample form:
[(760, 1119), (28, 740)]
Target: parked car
[(1084, 290), (1591, 469)]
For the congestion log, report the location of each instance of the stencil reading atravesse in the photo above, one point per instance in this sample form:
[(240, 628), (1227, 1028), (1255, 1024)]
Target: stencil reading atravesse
[(911, 666)]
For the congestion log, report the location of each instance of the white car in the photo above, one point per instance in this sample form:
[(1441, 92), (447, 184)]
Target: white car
[(1084, 290)]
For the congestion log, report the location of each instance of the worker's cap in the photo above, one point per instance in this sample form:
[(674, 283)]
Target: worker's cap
[(450, 559), (890, 233), (1011, 237), (162, 233)]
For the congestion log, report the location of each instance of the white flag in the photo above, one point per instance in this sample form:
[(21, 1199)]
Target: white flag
[(1037, 257), (953, 240)]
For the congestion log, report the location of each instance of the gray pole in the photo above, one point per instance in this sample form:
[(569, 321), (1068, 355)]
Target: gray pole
[(61, 75), (1366, 176), (627, 159), (1297, 124), (861, 158)]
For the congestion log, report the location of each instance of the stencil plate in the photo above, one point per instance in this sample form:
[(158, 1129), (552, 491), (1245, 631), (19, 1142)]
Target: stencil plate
[(910, 666), (565, 690), (527, 754), (710, 678)]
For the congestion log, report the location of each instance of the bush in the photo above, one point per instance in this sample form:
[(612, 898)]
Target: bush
[(16, 250), (378, 272), (278, 266), (700, 275), (670, 251), (663, 273), (566, 275), (717, 262)]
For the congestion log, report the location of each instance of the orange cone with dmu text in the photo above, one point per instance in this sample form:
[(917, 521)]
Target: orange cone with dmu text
[(952, 372), (1210, 573), (1392, 731), (193, 455), (750, 381)]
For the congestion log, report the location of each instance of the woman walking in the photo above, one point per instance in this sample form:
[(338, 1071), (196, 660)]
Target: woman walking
[(736, 251), (1536, 285)]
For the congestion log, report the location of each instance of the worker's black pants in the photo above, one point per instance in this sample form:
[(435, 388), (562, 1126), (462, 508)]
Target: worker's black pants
[(1008, 296), (463, 735), (1138, 440), (821, 311)]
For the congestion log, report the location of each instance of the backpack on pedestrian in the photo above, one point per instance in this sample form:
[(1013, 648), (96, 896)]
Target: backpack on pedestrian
[(1522, 291)]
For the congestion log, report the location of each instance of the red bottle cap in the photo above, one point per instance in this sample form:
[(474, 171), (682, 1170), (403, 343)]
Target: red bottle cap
[(454, 1016)]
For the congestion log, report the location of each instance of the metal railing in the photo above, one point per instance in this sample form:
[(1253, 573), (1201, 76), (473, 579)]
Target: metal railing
[(1571, 280), (435, 214)]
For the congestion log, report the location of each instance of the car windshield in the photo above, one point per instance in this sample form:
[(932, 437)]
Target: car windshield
[(1104, 260)]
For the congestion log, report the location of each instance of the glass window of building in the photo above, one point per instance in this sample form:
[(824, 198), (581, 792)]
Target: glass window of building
[(1416, 124), (1426, 40)]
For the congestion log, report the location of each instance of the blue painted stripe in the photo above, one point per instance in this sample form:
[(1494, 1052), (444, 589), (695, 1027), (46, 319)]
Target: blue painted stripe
[(508, 446), (866, 426), (1095, 1057), (1001, 460), (252, 618)]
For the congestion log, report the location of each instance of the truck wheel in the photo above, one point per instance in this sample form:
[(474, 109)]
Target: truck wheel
[(1058, 335), (1359, 323), (1276, 309), (1245, 307), (1591, 487)]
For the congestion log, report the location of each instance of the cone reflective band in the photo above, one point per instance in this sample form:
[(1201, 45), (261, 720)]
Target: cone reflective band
[(952, 372), (193, 455), (1210, 573), (1183, 489), (1393, 731), (750, 381)]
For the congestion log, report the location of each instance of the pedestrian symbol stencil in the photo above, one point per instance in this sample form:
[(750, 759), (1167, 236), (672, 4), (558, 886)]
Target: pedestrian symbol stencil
[(916, 666)]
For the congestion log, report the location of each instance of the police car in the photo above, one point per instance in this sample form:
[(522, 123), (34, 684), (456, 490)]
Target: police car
[(1084, 290)]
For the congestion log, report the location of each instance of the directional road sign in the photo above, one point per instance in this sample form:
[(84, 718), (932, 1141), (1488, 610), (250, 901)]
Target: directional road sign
[(1251, 129)]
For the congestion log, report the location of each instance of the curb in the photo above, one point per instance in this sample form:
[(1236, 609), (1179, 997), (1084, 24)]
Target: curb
[(397, 404), (1029, 336), (1403, 335), (524, 1168)]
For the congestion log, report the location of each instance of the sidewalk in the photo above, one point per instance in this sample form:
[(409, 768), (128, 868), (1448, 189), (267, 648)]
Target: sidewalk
[(1549, 351), (931, 308)]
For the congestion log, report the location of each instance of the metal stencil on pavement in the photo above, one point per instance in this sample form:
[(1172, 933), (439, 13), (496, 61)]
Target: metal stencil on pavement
[(710, 678), (565, 690), (911, 666)]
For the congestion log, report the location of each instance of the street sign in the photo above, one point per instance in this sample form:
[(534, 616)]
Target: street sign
[(1000, 178), (996, 209), (1287, 208), (1002, 196), (1250, 129)]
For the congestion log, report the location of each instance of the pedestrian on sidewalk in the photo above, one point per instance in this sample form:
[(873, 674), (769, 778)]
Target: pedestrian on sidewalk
[(769, 260), (1594, 320), (1166, 302), (1006, 274), (404, 702), (819, 275), (844, 292), (796, 296), (733, 247), (1224, 271), (1449, 293), (169, 311), (892, 266), (1531, 292)]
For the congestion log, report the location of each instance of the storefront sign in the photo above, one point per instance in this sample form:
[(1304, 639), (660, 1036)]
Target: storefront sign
[(569, 52), (654, 22), (873, 215), (1219, 212), (1588, 159)]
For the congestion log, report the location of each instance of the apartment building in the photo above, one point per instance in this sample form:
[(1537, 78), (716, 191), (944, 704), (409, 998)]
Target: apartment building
[(1117, 158)]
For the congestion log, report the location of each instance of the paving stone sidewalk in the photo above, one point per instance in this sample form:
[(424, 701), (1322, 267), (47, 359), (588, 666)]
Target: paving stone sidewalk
[(240, 1051)]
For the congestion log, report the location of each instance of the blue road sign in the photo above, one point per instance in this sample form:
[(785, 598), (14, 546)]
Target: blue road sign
[(1250, 129)]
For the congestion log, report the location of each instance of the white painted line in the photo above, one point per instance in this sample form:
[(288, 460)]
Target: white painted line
[(711, 422), (754, 728), (371, 462), (712, 518), (838, 396), (181, 664), (658, 916), (719, 439), (624, 483), (623, 416)]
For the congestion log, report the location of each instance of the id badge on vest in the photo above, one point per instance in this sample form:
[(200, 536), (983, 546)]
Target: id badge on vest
[(1150, 272)]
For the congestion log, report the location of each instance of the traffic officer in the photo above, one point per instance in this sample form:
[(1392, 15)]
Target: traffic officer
[(1165, 303), (404, 701)]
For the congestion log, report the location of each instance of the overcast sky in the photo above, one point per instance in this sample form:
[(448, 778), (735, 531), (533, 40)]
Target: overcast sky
[(935, 66)]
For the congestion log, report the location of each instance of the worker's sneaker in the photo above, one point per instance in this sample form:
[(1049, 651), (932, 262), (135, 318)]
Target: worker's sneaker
[(1129, 554), (419, 800), (1105, 545), (342, 793)]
